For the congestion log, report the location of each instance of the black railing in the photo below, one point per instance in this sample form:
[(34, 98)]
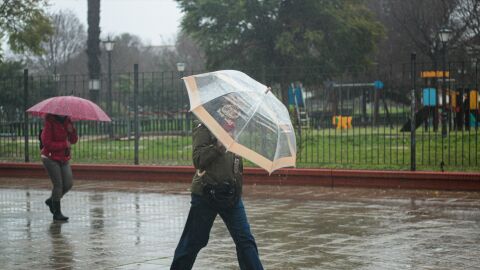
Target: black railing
[(349, 120)]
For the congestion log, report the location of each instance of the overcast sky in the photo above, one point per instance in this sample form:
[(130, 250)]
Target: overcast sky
[(156, 22)]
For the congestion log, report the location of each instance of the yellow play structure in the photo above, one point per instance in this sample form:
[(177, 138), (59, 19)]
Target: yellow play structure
[(342, 122)]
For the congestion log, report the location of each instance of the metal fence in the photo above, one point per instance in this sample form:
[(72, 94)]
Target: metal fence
[(347, 120)]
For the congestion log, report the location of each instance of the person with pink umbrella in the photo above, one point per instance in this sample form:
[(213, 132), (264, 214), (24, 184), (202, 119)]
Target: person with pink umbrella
[(58, 134)]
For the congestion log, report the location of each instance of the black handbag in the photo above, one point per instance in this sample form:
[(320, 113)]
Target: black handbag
[(221, 196)]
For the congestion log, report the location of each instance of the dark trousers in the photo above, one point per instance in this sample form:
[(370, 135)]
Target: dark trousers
[(61, 176), (197, 230)]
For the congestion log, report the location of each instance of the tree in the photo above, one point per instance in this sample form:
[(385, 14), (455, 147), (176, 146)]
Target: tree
[(414, 25), (93, 44), (25, 25), (470, 9), (293, 39), (11, 80), (126, 53), (132, 50), (189, 52), (66, 42)]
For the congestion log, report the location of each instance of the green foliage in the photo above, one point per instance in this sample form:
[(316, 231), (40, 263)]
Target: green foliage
[(25, 24), (124, 84), (10, 70), (283, 35), (41, 88), (11, 93)]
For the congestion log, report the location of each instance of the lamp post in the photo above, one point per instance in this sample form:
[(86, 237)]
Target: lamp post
[(181, 69), (109, 44), (444, 35)]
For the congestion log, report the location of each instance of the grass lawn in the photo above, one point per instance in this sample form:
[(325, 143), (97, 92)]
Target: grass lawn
[(358, 148)]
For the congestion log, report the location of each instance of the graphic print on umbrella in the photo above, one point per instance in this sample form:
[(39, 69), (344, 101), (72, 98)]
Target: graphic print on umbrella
[(244, 116), (75, 107)]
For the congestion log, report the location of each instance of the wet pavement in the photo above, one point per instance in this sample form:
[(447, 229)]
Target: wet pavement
[(136, 225)]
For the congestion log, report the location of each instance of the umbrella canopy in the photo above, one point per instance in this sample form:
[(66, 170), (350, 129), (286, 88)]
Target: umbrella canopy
[(244, 116), (75, 107)]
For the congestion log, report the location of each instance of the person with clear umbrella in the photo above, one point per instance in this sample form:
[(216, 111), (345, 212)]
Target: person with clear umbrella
[(240, 117), (216, 190)]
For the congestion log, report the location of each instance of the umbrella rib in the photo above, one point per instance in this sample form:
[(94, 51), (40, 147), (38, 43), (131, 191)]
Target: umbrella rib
[(278, 146)]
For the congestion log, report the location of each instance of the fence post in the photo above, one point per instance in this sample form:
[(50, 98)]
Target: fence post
[(135, 110), (25, 119), (412, 115)]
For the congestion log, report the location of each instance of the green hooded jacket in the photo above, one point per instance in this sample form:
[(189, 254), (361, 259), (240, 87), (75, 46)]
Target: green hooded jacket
[(212, 163)]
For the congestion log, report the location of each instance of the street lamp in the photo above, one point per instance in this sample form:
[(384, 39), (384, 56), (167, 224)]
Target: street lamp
[(56, 79), (181, 67), (444, 35), (94, 87), (109, 44)]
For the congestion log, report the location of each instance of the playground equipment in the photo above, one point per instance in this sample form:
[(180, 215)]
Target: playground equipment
[(296, 103), (462, 104), (342, 122), (430, 101), (474, 106), (377, 86), (420, 117), (474, 100)]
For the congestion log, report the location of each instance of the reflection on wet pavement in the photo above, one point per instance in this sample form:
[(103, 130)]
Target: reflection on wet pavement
[(62, 252), (136, 225)]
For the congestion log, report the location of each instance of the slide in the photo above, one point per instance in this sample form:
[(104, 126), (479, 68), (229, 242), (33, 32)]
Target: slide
[(419, 119)]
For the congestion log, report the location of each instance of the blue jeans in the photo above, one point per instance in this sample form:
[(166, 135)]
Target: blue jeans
[(197, 230)]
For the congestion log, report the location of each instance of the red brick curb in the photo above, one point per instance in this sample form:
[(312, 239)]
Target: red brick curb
[(321, 177)]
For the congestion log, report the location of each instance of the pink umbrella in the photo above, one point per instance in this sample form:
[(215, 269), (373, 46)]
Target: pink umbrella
[(74, 107)]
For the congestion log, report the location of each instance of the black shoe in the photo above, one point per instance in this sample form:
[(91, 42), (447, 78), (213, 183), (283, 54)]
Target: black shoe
[(48, 202), (57, 212)]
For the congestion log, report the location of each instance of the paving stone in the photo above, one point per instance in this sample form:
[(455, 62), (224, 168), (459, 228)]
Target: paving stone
[(136, 225)]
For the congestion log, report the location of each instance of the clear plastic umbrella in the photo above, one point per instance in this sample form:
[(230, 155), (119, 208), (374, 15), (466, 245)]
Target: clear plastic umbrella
[(245, 116)]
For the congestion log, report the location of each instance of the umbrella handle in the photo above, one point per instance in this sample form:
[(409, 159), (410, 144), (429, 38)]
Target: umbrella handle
[(200, 172), (268, 90)]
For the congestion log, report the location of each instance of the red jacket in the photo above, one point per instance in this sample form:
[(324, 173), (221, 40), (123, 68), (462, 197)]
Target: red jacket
[(54, 138)]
